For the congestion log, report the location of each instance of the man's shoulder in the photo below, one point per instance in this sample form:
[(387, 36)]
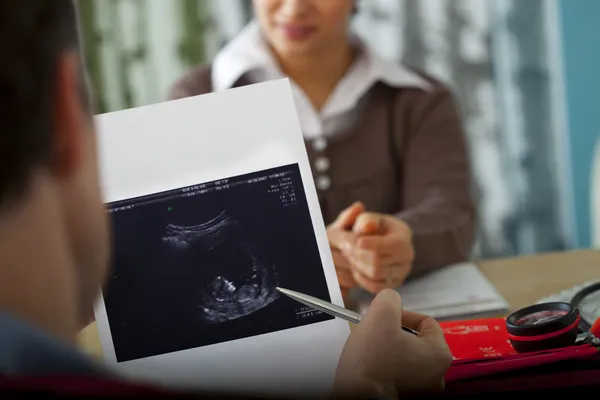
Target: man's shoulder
[(35, 363), (194, 82), (25, 350)]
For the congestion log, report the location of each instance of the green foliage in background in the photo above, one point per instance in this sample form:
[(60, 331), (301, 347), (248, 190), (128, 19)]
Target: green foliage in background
[(103, 36), (92, 39), (194, 18)]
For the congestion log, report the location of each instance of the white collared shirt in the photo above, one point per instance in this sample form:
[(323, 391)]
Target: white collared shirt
[(249, 54)]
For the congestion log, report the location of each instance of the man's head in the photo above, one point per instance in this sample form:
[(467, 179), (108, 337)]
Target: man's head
[(53, 228)]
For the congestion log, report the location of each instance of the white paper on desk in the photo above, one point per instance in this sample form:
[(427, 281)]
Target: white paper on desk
[(454, 292), (240, 209)]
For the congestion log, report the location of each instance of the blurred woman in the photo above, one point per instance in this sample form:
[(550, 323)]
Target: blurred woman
[(385, 143)]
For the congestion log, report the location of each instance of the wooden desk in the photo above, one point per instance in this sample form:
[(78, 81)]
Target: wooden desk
[(522, 281)]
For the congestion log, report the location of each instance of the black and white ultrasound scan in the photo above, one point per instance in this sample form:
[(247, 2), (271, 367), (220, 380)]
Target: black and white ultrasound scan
[(199, 265)]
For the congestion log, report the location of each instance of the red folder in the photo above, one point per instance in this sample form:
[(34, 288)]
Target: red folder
[(484, 361)]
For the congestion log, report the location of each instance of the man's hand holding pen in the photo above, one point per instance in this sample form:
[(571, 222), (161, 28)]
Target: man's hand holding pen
[(379, 358)]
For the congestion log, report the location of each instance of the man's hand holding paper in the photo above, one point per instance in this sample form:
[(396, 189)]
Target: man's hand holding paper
[(378, 349)]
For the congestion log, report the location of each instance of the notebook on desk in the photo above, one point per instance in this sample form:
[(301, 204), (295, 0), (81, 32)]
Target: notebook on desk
[(459, 291)]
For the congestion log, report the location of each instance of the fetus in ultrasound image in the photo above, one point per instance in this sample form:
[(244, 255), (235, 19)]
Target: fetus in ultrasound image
[(198, 266), (243, 283)]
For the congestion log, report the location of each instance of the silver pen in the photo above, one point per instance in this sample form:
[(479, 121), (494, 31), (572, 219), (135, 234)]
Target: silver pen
[(329, 308)]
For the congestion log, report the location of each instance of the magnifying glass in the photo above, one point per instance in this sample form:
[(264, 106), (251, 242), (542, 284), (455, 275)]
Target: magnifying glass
[(543, 327)]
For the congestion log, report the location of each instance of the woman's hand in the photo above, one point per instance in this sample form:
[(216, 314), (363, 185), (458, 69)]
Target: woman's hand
[(376, 250), (382, 260)]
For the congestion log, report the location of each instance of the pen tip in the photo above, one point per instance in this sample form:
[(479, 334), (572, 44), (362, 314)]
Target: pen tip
[(282, 291)]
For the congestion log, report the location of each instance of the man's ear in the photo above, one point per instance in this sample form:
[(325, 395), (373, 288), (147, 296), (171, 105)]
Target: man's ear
[(70, 116)]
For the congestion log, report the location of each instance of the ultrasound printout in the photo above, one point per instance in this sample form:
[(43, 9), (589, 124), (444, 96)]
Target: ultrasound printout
[(199, 265)]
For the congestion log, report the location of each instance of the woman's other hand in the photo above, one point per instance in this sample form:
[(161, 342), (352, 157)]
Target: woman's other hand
[(340, 232)]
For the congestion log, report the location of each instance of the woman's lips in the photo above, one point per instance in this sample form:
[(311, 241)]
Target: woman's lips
[(294, 32)]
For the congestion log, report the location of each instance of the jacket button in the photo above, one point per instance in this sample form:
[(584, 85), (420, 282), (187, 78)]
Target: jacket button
[(320, 144), (322, 164), (323, 182)]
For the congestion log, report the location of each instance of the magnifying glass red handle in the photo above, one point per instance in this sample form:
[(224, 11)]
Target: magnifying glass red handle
[(596, 328)]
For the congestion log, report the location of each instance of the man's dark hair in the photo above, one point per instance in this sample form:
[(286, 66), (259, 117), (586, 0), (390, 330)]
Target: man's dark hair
[(33, 35)]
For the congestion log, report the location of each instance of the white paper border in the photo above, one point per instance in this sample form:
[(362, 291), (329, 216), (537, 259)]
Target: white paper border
[(205, 138)]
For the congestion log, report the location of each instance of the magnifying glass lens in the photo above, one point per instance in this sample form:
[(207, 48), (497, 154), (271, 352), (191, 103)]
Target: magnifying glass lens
[(543, 326), (541, 317)]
